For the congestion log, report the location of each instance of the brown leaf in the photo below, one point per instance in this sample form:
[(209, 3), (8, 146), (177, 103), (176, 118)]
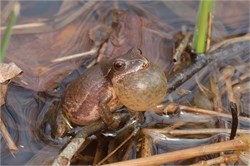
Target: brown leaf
[(8, 71), (3, 89)]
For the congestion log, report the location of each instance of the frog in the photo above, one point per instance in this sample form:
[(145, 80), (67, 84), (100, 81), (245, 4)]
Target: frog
[(128, 80)]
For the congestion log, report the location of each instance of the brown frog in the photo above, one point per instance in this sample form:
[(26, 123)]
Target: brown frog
[(128, 80)]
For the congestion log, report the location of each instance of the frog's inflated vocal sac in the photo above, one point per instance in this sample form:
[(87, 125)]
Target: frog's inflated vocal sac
[(128, 80)]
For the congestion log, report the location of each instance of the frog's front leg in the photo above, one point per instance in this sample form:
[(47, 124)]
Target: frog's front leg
[(105, 112)]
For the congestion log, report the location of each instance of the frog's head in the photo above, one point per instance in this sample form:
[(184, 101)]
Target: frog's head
[(139, 84), (131, 62)]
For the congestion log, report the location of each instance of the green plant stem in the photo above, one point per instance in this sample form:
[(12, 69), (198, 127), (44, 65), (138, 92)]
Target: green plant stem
[(201, 27), (7, 35)]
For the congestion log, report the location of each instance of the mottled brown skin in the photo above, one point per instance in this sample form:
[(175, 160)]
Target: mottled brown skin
[(92, 96), (99, 91), (81, 99)]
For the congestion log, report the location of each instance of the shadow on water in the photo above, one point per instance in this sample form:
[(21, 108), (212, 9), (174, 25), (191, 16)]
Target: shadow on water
[(23, 114)]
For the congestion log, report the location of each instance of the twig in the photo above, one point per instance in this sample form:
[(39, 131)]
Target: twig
[(166, 130), (202, 88), (209, 112), (181, 48), (68, 152), (233, 108), (236, 144), (90, 52), (146, 146), (216, 93), (201, 131), (227, 74), (55, 23), (181, 77), (217, 103), (129, 149), (125, 141), (222, 159), (229, 41), (209, 31), (99, 153), (229, 51), (175, 106), (10, 143)]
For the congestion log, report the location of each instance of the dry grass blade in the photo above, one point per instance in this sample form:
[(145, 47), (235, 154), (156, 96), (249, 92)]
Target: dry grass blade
[(217, 102), (216, 93), (241, 143), (10, 143), (146, 146), (209, 32), (118, 147), (55, 23), (181, 48), (219, 160), (229, 41), (201, 131), (84, 54), (164, 130), (209, 112)]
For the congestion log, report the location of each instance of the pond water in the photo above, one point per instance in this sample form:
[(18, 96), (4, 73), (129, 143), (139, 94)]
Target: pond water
[(149, 25)]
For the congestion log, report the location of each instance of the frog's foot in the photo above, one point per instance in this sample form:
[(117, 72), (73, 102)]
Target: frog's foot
[(61, 125), (58, 131), (114, 124)]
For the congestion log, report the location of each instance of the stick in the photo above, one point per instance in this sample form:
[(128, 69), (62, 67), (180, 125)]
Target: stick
[(229, 41), (233, 108), (236, 144), (209, 31), (69, 151), (84, 54), (201, 131), (209, 112), (219, 160), (165, 130), (231, 50), (181, 48), (217, 103), (125, 141), (10, 143)]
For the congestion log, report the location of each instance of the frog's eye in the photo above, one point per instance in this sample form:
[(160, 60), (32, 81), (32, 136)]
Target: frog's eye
[(119, 65)]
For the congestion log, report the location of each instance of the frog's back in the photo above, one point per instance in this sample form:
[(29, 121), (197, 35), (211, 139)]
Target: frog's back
[(81, 98)]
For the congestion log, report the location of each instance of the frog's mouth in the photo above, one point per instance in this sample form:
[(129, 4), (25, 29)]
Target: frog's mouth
[(138, 65), (146, 63)]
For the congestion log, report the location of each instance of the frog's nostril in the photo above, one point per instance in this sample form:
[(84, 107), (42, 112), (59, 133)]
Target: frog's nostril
[(145, 64)]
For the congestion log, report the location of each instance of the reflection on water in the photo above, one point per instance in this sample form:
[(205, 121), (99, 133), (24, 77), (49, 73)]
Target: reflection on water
[(20, 115), (23, 114), (24, 109), (67, 33)]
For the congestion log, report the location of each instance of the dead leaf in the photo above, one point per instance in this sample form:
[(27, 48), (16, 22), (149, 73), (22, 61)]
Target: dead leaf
[(8, 71), (3, 89)]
